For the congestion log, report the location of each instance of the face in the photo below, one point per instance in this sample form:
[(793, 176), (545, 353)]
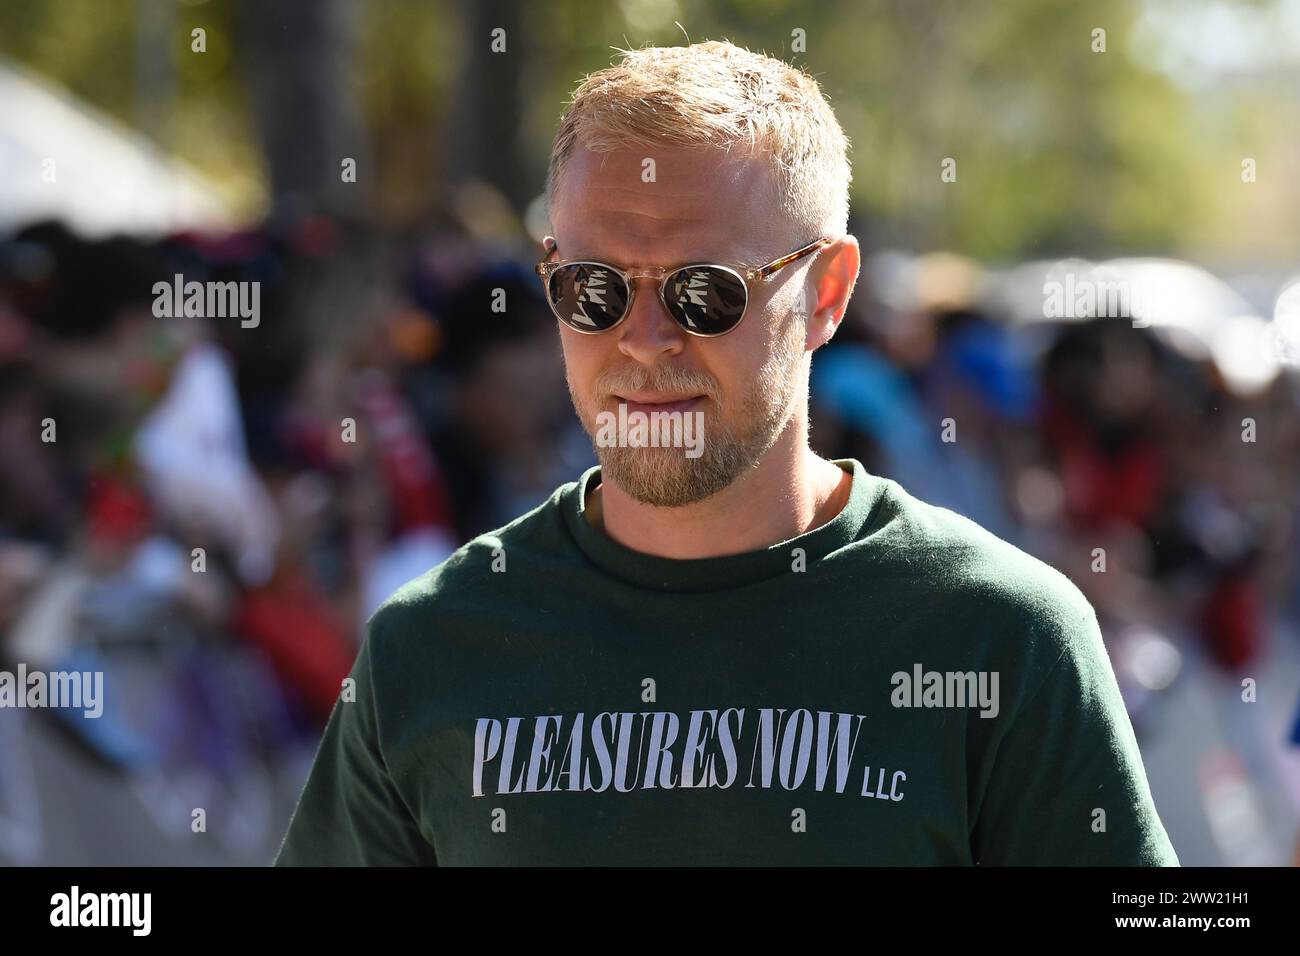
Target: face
[(749, 384)]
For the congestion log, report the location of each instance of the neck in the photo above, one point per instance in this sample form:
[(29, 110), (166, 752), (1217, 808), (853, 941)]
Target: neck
[(790, 492)]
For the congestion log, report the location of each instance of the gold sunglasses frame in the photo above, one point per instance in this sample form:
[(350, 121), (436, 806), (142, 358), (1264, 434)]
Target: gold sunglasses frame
[(546, 267)]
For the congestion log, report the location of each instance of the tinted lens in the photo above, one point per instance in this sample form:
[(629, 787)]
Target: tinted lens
[(588, 297), (705, 299)]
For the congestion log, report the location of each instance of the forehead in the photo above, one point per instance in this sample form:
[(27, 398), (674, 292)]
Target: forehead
[(664, 206)]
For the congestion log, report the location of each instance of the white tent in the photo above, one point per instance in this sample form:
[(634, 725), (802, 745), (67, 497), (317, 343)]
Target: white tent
[(63, 160), (1194, 312)]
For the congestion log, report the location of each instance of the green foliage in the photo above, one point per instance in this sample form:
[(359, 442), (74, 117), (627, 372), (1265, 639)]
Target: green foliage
[(1058, 148)]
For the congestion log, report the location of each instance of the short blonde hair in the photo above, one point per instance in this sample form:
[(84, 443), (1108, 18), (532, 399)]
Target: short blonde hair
[(717, 94)]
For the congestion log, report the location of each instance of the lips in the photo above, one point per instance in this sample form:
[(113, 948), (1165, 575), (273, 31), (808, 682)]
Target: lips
[(648, 404)]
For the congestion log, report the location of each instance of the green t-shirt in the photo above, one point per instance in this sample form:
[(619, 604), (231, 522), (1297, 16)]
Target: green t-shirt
[(896, 687)]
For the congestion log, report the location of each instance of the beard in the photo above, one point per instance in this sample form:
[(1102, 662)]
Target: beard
[(735, 438)]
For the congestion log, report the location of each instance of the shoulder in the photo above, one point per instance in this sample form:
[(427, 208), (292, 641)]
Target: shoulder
[(973, 574), (473, 571)]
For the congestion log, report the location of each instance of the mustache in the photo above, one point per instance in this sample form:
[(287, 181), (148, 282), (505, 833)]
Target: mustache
[(665, 378)]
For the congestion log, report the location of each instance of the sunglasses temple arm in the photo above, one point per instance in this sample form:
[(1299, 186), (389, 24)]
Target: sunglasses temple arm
[(762, 272)]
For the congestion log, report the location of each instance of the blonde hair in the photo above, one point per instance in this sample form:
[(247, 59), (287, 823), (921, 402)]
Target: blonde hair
[(717, 94)]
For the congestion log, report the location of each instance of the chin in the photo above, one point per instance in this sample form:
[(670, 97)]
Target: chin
[(664, 477)]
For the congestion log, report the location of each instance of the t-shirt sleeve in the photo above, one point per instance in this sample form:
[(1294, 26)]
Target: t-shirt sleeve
[(1067, 786), (350, 812)]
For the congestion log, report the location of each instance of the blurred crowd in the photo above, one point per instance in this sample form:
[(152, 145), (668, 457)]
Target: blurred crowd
[(1167, 495), (1136, 461), (208, 513)]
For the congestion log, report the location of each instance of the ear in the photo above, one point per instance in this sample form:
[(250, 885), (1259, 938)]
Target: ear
[(549, 244), (834, 275)]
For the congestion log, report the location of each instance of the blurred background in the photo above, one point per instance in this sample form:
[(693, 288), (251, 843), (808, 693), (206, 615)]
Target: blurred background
[(184, 507)]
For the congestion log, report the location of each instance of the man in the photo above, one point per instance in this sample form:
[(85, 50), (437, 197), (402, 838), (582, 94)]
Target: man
[(727, 652)]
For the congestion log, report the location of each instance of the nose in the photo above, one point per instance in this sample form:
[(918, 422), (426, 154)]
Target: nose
[(648, 334)]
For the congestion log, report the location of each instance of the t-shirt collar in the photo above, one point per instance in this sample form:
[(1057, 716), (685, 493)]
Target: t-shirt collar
[(710, 574)]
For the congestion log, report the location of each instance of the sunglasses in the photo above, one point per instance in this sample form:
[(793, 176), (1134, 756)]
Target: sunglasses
[(705, 299)]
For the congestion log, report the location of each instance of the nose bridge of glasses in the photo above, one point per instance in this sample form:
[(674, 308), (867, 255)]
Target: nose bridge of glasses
[(657, 276), (666, 325), (657, 273)]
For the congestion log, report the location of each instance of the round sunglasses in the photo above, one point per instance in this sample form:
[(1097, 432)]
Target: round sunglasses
[(705, 298)]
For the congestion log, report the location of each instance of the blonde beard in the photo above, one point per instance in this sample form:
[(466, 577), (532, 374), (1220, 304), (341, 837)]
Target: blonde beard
[(665, 477)]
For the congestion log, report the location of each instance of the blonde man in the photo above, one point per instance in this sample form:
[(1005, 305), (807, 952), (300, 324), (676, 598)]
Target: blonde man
[(744, 655)]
